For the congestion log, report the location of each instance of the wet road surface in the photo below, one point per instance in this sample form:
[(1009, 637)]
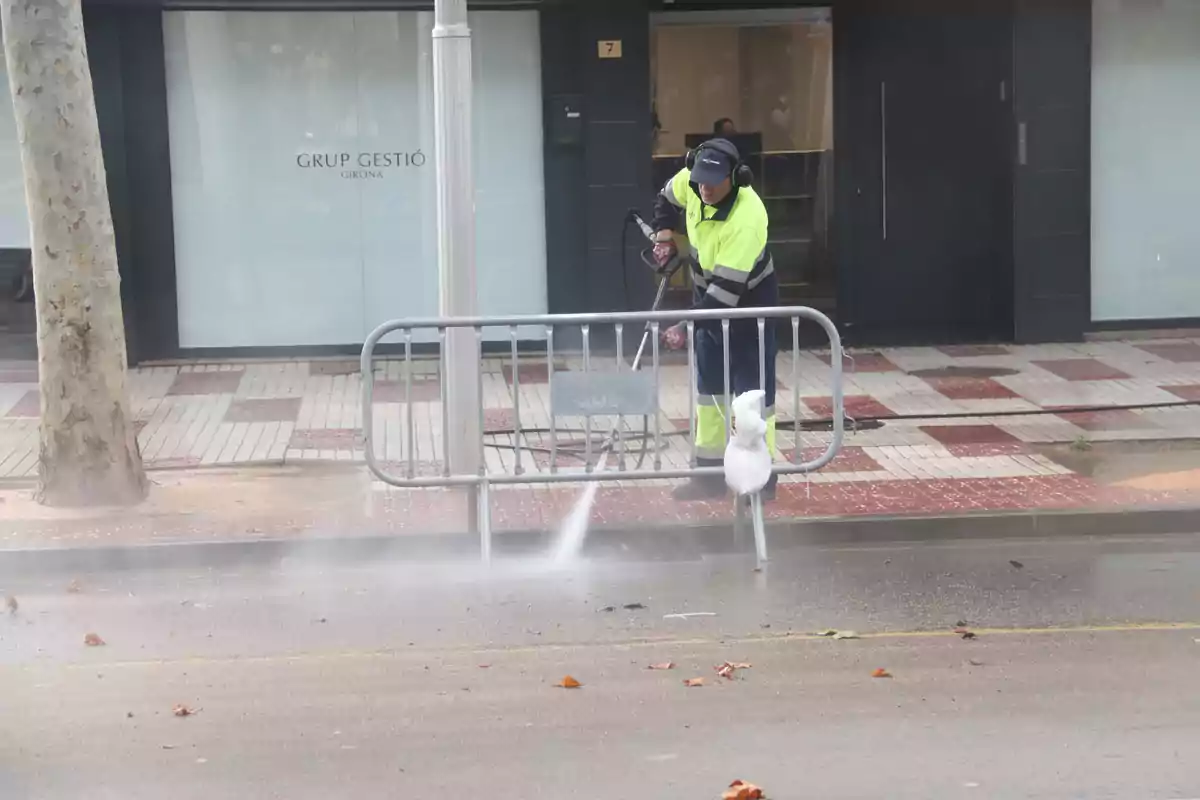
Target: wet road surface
[(438, 680)]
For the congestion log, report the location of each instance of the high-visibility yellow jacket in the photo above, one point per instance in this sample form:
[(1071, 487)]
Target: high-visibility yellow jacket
[(732, 265)]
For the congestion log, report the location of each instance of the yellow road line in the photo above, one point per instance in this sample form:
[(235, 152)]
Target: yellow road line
[(1145, 627)]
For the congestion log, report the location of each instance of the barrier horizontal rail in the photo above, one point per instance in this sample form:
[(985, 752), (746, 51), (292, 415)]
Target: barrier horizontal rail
[(652, 322)]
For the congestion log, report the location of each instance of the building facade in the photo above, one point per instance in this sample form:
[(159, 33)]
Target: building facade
[(935, 170)]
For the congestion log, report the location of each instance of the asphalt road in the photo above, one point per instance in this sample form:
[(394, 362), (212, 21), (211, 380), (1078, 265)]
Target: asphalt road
[(438, 680)]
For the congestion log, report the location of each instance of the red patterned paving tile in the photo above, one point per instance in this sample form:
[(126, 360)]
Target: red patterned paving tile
[(274, 409), (1117, 419), (1082, 369), (499, 420), (866, 362), (1188, 392), (971, 388), (1014, 448), (848, 459), (529, 373), (424, 390), (198, 383), (28, 407), (325, 439), (968, 434), (1176, 352), (974, 350), (856, 406)]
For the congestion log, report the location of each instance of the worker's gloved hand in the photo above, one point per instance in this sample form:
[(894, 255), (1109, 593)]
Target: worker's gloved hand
[(675, 337), (665, 249)]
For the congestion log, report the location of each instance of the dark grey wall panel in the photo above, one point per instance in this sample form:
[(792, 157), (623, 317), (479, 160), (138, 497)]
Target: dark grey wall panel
[(617, 151), (563, 94), (152, 232), (125, 52), (1052, 199)]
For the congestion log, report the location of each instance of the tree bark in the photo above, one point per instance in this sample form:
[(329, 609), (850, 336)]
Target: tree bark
[(89, 453)]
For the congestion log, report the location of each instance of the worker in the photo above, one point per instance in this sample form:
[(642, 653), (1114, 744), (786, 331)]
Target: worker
[(712, 202)]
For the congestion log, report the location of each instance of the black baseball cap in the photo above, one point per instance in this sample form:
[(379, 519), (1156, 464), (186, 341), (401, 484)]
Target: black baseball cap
[(712, 164)]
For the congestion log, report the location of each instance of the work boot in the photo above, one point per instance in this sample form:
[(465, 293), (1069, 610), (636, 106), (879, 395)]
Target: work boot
[(702, 487)]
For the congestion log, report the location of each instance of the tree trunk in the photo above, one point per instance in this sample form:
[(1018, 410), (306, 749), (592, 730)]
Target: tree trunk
[(89, 453)]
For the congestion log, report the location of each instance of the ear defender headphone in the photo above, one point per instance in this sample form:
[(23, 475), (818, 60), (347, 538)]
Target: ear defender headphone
[(742, 175)]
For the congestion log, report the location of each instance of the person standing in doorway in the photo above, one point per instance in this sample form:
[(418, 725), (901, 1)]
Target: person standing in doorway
[(725, 221), (724, 128)]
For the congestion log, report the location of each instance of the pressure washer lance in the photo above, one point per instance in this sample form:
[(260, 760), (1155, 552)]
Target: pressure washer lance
[(665, 273)]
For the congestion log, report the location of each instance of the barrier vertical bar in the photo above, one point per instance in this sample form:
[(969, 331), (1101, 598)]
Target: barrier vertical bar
[(483, 507), (657, 395), (445, 403), (725, 357), (797, 456), (550, 378), (691, 348), (410, 437), (619, 330), (516, 395), (762, 361), (586, 332)]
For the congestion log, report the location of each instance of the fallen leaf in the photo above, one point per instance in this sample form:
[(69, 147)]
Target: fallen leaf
[(1017, 564), (691, 683), (881, 673), (827, 633), (485, 666), (74, 587), (181, 710), (727, 669), (845, 635), (11, 604), (740, 790), (606, 609), (93, 640), (663, 665), (634, 607), (568, 683), (974, 662), (968, 635), (961, 624)]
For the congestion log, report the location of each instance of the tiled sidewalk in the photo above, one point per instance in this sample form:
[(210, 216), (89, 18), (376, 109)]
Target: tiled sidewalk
[(960, 424)]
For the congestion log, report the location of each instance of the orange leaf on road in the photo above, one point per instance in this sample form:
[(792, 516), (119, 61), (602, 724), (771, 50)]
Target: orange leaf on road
[(569, 683), (93, 640), (881, 673), (664, 665), (739, 790), (181, 710), (691, 683)]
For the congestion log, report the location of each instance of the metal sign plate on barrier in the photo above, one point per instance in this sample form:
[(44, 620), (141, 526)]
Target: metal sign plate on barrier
[(583, 394)]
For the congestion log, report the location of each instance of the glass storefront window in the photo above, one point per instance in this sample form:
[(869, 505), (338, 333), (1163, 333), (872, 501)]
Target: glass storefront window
[(1145, 85), (303, 176), (764, 77)]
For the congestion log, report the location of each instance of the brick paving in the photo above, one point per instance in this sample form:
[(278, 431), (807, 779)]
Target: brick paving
[(961, 426)]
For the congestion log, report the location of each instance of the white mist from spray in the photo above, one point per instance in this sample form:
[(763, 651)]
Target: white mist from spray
[(573, 531)]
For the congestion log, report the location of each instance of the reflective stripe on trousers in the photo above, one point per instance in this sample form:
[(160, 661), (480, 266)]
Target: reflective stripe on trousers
[(710, 429)]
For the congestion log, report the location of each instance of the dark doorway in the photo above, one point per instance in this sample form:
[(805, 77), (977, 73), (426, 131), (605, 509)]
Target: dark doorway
[(924, 170)]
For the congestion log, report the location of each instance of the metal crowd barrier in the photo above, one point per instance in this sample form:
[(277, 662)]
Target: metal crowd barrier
[(588, 393)]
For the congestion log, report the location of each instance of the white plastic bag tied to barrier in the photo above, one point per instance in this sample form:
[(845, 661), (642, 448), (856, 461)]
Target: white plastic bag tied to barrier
[(747, 457)]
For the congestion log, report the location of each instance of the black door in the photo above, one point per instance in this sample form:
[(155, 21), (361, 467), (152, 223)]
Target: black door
[(924, 126)]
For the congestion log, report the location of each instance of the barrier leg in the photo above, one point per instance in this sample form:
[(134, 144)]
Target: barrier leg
[(760, 529), (484, 514)]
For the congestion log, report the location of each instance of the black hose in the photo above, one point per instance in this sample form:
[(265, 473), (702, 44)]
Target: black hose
[(822, 423)]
